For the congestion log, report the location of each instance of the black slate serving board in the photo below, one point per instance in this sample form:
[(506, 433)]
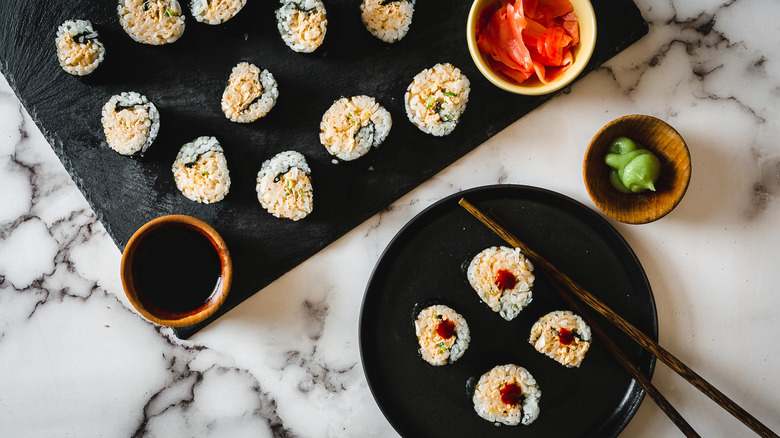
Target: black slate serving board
[(186, 79)]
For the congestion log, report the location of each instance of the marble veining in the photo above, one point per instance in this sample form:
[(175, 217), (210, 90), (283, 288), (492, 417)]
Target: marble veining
[(76, 360)]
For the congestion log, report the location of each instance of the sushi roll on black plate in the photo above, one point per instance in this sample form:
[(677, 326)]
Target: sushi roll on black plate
[(387, 20), (354, 125), (200, 171), (152, 22), (130, 123), (302, 24), (284, 188), (215, 11), (79, 51), (250, 93)]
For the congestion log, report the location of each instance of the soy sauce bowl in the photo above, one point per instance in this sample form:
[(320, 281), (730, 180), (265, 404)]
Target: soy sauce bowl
[(662, 140), (586, 18), (176, 270)]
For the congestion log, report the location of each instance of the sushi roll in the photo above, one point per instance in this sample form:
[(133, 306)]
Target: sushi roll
[(152, 22), (503, 278), (302, 24), (563, 336), (78, 49), (200, 171), (507, 394), (284, 188), (130, 122), (436, 99), (250, 93), (215, 11), (352, 126), (388, 20), (442, 333)]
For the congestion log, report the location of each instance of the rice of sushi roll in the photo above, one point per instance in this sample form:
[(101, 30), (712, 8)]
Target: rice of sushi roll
[(352, 126), (283, 186), (302, 24), (130, 122), (250, 93), (563, 336), (215, 11), (200, 171), (78, 49), (152, 22), (503, 278), (507, 394), (442, 333), (436, 99), (388, 20)]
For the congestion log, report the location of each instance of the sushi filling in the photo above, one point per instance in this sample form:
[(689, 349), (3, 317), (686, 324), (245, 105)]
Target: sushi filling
[(388, 20), (200, 171), (302, 24), (215, 11), (436, 99), (503, 278), (562, 336), (78, 50), (352, 126), (152, 22), (130, 123), (284, 188), (250, 93), (507, 394), (442, 334)]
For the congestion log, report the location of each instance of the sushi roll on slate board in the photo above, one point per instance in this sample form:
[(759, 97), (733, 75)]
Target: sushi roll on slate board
[(352, 126), (284, 188), (79, 51), (200, 171), (130, 122), (436, 99), (507, 394), (152, 22), (503, 278), (563, 336), (302, 24), (442, 333), (387, 20), (215, 11), (250, 93)]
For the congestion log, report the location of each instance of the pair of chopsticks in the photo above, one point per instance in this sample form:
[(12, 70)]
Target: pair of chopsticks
[(566, 287)]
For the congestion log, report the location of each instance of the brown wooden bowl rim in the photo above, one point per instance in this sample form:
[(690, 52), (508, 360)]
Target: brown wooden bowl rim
[(184, 318), (603, 198)]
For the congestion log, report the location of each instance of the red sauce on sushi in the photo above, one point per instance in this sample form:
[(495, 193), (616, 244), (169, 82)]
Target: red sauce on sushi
[(446, 329), (511, 394), (565, 336), (505, 279)]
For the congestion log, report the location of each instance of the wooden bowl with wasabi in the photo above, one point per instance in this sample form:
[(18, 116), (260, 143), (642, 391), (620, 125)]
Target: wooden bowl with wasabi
[(649, 134)]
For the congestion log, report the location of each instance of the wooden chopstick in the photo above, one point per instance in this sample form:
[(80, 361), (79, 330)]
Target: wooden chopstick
[(645, 341), (618, 354), (621, 357)]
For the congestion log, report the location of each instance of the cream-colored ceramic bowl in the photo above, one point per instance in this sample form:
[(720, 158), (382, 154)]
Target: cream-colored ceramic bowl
[(533, 87)]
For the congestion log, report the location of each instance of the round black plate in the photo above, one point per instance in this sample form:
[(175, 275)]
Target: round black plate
[(424, 264)]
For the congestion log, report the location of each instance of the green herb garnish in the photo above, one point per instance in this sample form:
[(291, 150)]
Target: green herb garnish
[(442, 346), (430, 102), (450, 93), (205, 172), (170, 13)]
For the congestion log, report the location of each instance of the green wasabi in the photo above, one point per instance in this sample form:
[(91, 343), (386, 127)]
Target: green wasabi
[(634, 168)]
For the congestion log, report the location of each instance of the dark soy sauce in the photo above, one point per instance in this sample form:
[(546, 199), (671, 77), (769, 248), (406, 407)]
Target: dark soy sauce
[(177, 269)]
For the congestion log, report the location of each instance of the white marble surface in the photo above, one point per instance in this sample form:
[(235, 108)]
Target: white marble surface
[(76, 360)]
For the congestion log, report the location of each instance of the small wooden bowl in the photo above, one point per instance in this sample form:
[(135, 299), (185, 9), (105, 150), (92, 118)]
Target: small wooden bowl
[(670, 148), (149, 310), (533, 87)]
